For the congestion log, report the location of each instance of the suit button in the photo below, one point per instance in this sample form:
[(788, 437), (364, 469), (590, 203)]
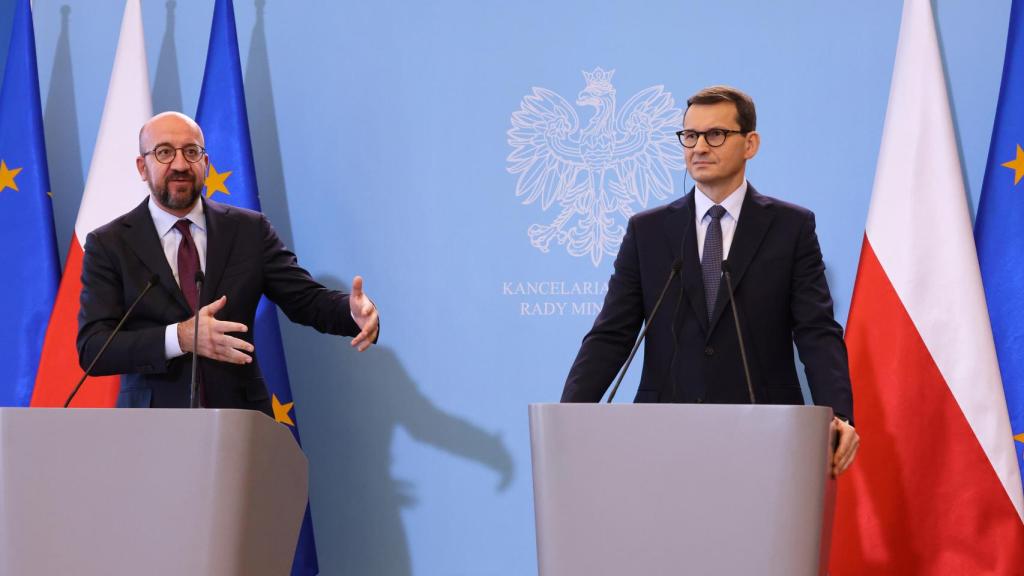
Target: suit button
[(709, 351)]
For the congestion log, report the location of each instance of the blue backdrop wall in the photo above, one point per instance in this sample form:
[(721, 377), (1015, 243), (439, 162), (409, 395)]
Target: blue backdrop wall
[(381, 138)]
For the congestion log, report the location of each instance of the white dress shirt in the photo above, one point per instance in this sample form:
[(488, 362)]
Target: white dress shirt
[(170, 238), (733, 203)]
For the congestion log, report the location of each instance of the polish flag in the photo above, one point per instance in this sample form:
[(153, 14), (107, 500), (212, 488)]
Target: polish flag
[(113, 187), (935, 489)]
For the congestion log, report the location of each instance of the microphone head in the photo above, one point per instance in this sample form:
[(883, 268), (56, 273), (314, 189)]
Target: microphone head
[(200, 277), (725, 266), (154, 279), (677, 265)]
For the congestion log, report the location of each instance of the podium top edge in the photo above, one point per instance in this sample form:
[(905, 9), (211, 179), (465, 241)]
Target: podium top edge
[(650, 407)]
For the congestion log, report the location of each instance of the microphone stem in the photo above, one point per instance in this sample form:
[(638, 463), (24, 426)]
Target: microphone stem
[(676, 266), (110, 339), (193, 401), (739, 333)]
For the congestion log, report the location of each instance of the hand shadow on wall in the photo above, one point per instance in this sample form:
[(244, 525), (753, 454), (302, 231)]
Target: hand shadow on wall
[(358, 401)]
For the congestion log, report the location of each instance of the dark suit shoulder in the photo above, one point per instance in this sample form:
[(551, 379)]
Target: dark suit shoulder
[(659, 213), (780, 207), (233, 212), (134, 217)]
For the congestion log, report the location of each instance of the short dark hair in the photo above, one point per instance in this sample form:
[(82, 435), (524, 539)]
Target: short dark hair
[(746, 115)]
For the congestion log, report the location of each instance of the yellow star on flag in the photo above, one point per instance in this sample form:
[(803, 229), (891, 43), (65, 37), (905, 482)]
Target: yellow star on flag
[(7, 177), (1019, 437), (1017, 164), (281, 411), (215, 182)]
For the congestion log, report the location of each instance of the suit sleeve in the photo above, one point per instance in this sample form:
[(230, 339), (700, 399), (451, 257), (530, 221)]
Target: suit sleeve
[(136, 348), (818, 337), (302, 299), (606, 346)]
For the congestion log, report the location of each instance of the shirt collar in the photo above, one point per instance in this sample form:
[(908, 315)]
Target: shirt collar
[(164, 220), (733, 203)]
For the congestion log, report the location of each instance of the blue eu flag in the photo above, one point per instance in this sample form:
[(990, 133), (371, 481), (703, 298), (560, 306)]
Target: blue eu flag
[(232, 180), (28, 246), (999, 230)]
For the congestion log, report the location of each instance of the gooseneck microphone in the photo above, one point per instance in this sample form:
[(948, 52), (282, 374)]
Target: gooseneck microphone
[(676, 266), (739, 332), (153, 281), (193, 396)]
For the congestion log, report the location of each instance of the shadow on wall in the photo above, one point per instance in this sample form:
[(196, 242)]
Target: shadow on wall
[(353, 402), (266, 143), (63, 150), (167, 83), (6, 22), (360, 401)]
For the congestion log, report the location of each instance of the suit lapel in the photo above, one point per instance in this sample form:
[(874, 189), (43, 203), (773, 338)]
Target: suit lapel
[(220, 237), (141, 237), (678, 224), (755, 219)]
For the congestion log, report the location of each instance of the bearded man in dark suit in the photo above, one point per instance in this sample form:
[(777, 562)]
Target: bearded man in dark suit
[(692, 349), (173, 234)]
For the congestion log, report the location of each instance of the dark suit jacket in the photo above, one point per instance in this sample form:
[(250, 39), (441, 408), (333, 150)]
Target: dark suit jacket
[(782, 297), (244, 260)]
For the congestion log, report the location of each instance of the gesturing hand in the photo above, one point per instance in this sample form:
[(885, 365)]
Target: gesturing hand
[(365, 315), (215, 342)]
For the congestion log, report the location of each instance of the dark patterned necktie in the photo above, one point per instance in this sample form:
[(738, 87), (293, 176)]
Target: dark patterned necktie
[(711, 263), (188, 263)]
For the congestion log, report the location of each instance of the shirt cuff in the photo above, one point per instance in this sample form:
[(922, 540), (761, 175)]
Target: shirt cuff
[(172, 349)]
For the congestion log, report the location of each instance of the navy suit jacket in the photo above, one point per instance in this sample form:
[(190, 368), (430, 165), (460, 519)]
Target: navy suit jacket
[(244, 260), (782, 295)]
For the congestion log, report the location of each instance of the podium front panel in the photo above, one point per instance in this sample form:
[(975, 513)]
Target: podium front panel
[(659, 489), (148, 491)]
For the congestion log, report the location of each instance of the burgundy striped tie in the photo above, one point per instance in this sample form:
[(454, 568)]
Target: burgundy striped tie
[(188, 264)]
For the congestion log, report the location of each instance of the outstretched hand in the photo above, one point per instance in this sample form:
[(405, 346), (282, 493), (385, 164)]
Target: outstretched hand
[(215, 340), (365, 315)]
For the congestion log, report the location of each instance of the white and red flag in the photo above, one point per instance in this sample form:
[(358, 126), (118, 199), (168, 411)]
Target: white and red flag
[(112, 188), (935, 488)]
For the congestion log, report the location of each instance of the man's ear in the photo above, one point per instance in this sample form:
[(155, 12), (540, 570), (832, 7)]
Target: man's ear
[(753, 143), (140, 165)]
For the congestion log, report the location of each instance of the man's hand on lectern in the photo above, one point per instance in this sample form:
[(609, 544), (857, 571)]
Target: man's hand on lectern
[(847, 446)]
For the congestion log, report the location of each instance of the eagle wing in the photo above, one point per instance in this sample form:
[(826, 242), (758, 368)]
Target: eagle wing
[(545, 149), (646, 146)]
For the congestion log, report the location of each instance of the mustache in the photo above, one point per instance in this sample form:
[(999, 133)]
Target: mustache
[(179, 175)]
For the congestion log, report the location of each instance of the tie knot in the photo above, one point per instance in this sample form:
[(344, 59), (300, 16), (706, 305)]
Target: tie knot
[(716, 212), (183, 226)]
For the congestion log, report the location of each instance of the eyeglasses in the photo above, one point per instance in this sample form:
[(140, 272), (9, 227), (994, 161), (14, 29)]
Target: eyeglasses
[(165, 153), (714, 137)]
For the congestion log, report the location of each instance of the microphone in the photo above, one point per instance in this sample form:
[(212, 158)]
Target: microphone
[(153, 281), (193, 397), (676, 266), (739, 332)]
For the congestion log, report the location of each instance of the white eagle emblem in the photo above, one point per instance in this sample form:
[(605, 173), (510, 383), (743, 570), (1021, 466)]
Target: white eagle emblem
[(598, 175)]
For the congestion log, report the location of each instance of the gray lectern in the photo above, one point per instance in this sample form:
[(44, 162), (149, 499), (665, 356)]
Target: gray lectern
[(659, 489), (110, 492)]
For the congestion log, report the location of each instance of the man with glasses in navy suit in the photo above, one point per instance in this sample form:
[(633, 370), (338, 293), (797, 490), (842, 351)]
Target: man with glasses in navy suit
[(692, 350)]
